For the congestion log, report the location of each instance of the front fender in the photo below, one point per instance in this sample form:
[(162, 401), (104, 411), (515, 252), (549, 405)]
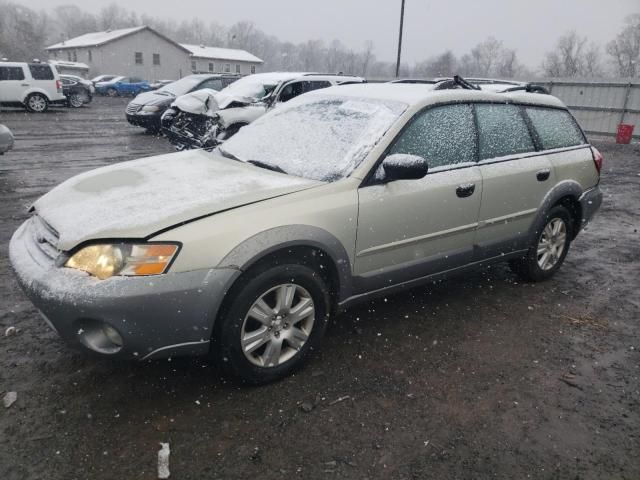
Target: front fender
[(246, 254)]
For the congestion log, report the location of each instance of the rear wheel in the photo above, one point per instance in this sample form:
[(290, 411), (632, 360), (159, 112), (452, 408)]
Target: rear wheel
[(550, 248), (36, 102), (112, 92), (75, 100), (277, 315)]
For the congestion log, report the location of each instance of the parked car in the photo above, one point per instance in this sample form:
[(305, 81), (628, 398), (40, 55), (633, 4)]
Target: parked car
[(203, 119), (122, 86), (6, 139), (77, 90), (102, 78), (33, 86), (341, 195), (147, 108)]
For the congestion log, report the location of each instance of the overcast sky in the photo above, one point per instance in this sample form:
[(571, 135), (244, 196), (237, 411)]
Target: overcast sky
[(431, 26)]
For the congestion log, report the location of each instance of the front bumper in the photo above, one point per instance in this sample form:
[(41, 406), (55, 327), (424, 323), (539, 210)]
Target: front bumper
[(590, 202), (156, 316), (146, 121)]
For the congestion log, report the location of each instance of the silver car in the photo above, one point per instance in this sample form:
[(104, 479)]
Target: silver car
[(6, 139), (338, 196)]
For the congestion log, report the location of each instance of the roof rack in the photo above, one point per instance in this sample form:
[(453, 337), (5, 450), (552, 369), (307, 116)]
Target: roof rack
[(456, 82), (329, 74), (529, 87)]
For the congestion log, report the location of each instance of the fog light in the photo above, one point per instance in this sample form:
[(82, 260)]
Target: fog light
[(100, 337)]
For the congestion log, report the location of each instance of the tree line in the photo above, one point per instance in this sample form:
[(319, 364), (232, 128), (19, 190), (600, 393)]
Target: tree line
[(24, 33)]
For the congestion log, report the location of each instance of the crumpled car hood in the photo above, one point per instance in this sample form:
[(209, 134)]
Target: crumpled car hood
[(208, 101), (138, 198)]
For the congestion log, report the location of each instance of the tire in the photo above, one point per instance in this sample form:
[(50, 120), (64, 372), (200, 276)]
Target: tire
[(547, 253), (75, 100), (112, 92), (37, 103), (260, 361)]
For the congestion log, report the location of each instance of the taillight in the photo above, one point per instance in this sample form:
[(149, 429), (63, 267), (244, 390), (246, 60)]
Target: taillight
[(58, 85), (597, 159)]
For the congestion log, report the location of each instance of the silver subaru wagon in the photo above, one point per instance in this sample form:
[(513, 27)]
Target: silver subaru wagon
[(342, 194)]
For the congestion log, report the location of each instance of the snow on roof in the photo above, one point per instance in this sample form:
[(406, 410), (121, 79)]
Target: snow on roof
[(202, 51), (75, 65), (95, 38), (421, 94)]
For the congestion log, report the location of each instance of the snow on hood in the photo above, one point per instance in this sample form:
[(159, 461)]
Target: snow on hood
[(136, 199)]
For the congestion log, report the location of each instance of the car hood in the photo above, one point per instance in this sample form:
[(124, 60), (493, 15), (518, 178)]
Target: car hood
[(153, 98), (138, 198), (208, 101)]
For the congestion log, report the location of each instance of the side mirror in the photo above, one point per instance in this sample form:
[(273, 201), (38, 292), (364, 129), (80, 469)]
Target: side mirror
[(403, 166)]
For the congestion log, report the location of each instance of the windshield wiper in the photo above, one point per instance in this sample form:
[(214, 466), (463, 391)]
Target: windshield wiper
[(266, 165)]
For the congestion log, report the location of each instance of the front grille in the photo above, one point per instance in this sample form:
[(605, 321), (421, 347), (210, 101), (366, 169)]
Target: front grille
[(133, 108), (43, 239)]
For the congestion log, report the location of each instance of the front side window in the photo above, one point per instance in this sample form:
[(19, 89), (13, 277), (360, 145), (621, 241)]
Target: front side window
[(11, 73), (41, 72), (320, 137), (556, 128), (138, 58), (156, 59), (443, 136), (502, 131)]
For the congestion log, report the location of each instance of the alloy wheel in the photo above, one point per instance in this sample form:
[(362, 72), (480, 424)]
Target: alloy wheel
[(37, 103), (552, 244), (277, 325), (76, 100)]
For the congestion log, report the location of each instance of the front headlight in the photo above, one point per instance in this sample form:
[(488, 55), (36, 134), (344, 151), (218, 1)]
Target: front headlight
[(150, 108), (106, 260)]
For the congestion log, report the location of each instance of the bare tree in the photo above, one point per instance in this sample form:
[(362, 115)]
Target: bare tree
[(572, 57), (443, 65), (625, 49), (367, 57)]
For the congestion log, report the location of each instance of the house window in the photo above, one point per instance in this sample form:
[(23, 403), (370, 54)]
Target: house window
[(69, 55), (156, 59), (194, 67), (90, 55), (227, 68), (75, 56), (211, 66), (138, 58), (55, 54), (253, 69), (237, 68)]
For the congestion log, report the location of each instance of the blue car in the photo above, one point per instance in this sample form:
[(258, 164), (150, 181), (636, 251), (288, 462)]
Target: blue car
[(123, 86)]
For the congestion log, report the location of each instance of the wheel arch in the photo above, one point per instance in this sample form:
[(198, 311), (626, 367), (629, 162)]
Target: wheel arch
[(31, 91), (566, 193)]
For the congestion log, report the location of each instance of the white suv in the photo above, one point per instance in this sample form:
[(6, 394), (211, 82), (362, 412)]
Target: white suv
[(32, 85)]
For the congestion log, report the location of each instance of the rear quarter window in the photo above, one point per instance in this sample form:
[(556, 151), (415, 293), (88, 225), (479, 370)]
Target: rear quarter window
[(41, 72), (555, 128), (11, 73)]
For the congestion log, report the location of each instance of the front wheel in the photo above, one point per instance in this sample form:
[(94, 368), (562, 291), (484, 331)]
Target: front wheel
[(37, 103), (75, 100), (112, 92), (275, 318), (546, 255)]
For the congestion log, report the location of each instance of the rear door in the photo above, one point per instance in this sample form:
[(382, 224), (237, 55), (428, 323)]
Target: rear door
[(515, 178), (412, 228), (43, 79), (13, 83)]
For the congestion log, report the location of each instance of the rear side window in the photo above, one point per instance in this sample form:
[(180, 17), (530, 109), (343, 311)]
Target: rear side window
[(41, 72), (11, 73), (214, 83), (556, 128), (502, 131), (441, 135)]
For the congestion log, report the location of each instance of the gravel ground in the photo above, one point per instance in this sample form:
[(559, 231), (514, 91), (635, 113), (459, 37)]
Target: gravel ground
[(480, 376)]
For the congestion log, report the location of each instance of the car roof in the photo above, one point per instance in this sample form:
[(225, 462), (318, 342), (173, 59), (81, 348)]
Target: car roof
[(421, 95)]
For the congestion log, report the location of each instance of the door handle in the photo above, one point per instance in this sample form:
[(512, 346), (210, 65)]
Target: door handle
[(543, 175), (465, 190), (24, 85)]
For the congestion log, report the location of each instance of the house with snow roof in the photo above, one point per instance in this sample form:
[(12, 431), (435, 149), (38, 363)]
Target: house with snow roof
[(146, 53)]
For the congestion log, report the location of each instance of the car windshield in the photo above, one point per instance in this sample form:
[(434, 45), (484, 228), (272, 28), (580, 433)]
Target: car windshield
[(318, 137), (253, 86), (180, 87)]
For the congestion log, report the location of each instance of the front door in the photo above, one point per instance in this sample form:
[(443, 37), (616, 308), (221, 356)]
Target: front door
[(412, 228)]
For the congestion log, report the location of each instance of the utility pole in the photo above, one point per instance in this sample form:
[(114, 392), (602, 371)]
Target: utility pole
[(400, 39)]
